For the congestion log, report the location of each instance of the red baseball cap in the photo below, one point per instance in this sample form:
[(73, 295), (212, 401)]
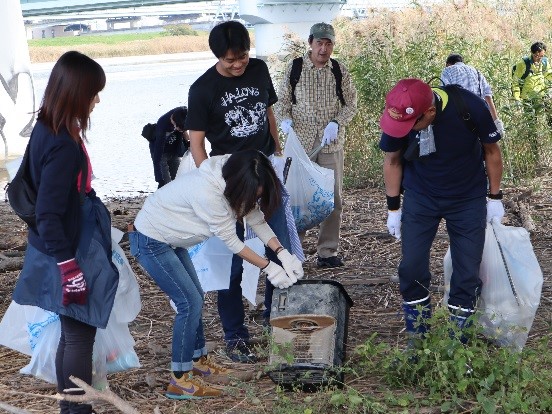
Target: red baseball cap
[(404, 104)]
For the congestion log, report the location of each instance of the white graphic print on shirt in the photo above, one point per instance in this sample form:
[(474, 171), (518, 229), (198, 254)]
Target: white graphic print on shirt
[(245, 119)]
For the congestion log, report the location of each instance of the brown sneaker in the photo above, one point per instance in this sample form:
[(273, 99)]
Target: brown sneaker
[(211, 371), (190, 387)]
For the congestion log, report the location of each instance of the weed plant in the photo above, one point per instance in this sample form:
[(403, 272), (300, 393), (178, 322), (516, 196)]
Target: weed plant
[(492, 36), (476, 378)]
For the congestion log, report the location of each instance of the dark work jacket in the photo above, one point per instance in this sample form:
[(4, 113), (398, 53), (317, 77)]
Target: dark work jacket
[(167, 141), (55, 161), (39, 283)]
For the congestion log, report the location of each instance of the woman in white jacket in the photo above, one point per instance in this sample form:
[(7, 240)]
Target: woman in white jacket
[(195, 206)]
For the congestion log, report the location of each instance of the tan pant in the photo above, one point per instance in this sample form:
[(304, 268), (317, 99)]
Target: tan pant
[(329, 229)]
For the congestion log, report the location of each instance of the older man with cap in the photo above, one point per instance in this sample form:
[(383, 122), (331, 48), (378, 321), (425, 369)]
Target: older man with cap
[(449, 169), (317, 97)]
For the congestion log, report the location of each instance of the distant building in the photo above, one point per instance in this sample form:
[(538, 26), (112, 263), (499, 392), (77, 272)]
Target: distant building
[(56, 30)]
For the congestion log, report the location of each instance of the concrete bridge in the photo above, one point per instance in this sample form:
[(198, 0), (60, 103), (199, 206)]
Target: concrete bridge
[(271, 19)]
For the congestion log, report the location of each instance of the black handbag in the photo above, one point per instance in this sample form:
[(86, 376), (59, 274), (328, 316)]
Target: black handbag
[(22, 192)]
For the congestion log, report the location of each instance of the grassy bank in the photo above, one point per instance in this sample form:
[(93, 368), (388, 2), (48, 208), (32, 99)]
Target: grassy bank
[(98, 46), (492, 36)]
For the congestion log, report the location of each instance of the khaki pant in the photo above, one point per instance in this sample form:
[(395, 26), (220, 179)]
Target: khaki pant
[(329, 229)]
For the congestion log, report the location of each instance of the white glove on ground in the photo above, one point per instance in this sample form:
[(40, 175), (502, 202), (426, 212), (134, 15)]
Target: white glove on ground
[(286, 125), (292, 265), (330, 133), (499, 127), (394, 223), (495, 210), (277, 276)]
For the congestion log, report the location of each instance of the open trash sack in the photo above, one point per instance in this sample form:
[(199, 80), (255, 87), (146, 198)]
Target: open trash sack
[(310, 186), (512, 283)]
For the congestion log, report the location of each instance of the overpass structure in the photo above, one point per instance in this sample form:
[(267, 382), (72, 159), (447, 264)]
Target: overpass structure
[(271, 19)]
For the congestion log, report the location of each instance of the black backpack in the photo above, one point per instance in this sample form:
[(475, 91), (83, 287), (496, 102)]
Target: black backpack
[(148, 132), (295, 74)]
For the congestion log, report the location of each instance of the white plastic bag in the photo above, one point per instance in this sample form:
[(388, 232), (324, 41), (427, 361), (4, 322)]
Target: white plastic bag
[(35, 331), (187, 163), (212, 261), (512, 283), (311, 187), (127, 302)]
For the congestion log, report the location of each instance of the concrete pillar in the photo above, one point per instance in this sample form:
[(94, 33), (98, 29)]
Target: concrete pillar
[(273, 19)]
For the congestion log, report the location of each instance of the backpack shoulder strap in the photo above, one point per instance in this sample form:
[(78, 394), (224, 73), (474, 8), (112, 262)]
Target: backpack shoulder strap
[(294, 75), (527, 67), (336, 70), (456, 97)]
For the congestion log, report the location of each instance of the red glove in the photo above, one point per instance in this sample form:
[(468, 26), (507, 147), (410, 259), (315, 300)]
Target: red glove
[(73, 285)]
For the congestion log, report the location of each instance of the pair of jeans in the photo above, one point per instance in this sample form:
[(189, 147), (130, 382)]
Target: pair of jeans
[(74, 358), (230, 303), (173, 271), (465, 223)]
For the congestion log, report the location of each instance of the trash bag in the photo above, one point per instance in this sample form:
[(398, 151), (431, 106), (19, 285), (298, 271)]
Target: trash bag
[(35, 332), (512, 283), (311, 187)]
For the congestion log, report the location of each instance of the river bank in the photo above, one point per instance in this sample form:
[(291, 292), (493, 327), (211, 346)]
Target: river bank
[(371, 257)]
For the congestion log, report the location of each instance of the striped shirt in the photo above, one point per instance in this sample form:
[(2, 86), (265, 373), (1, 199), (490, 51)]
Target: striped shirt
[(317, 104)]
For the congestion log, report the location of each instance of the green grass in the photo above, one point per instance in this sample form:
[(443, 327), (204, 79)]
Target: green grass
[(94, 39)]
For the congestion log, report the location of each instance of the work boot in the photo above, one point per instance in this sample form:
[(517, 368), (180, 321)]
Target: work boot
[(462, 319), (416, 316)]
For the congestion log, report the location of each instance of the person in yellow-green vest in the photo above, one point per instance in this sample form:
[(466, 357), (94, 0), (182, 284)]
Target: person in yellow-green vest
[(532, 76)]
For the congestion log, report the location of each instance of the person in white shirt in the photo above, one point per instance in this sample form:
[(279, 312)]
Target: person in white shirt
[(202, 203)]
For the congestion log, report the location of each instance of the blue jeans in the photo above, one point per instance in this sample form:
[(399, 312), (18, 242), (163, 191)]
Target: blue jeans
[(230, 303), (173, 271), (465, 222)]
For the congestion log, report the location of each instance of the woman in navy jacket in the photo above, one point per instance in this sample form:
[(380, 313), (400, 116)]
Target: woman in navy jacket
[(67, 268)]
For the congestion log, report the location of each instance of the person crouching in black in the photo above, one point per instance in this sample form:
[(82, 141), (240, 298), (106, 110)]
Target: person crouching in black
[(170, 143)]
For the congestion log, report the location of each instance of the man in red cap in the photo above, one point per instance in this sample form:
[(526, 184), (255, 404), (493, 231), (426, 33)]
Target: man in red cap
[(449, 168)]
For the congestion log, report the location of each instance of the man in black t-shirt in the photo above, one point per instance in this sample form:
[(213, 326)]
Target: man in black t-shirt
[(230, 105)]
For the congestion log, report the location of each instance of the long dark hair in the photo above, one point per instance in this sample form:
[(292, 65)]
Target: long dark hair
[(74, 82), (244, 173)]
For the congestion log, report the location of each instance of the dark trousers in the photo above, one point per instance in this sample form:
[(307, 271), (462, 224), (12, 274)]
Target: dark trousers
[(74, 357), (465, 223), (230, 303)]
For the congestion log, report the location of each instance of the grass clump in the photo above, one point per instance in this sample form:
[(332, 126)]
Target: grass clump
[(474, 378)]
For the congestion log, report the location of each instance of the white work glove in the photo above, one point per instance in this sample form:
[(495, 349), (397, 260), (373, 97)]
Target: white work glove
[(394, 223), (499, 127), (495, 210), (277, 276), (330, 133), (292, 265), (286, 125)]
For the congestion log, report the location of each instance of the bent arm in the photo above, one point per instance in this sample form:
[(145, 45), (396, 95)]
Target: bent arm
[(197, 146), (493, 164)]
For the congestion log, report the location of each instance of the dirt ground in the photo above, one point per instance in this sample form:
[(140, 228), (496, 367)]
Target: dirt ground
[(371, 257)]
